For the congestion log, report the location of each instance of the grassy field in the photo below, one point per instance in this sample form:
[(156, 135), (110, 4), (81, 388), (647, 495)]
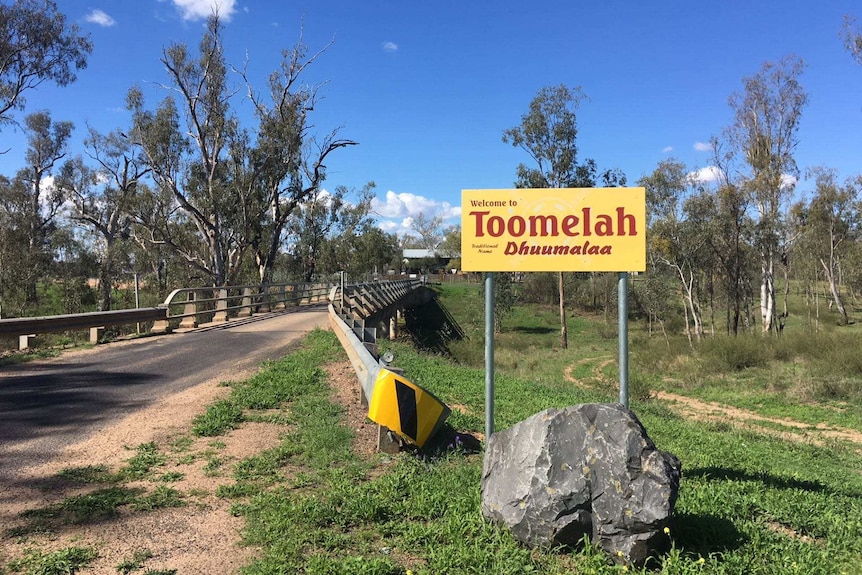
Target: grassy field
[(768, 494), (749, 502)]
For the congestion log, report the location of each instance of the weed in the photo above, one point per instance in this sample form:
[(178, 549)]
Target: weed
[(181, 444), (161, 497), (135, 562), (66, 561), (140, 465), (88, 474), (213, 465), (219, 418), (171, 477), (80, 509)]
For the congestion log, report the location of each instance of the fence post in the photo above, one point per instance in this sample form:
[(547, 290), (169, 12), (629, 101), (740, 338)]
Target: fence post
[(96, 333), (264, 306), (24, 341), (221, 305), (246, 310), (280, 296), (190, 310)]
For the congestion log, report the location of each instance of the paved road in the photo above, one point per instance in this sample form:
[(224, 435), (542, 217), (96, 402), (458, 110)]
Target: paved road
[(48, 405)]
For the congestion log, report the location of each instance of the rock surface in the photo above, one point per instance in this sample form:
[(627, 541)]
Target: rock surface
[(588, 469)]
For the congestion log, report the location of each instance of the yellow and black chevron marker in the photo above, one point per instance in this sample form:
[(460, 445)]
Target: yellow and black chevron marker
[(406, 408)]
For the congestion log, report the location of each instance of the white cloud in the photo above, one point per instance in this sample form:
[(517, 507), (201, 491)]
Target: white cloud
[(396, 211), (702, 146), (99, 17), (202, 9), (788, 181), (667, 149), (388, 226), (406, 204), (706, 175), (390, 47)]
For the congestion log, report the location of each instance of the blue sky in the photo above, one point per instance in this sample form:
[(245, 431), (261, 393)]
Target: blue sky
[(427, 88)]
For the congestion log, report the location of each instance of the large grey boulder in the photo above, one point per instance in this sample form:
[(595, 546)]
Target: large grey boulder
[(589, 470)]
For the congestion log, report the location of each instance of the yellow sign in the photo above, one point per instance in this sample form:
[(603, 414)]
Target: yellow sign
[(406, 408), (553, 229)]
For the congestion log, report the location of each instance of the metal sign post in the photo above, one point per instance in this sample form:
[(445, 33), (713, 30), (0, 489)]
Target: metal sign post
[(489, 355), (623, 298)]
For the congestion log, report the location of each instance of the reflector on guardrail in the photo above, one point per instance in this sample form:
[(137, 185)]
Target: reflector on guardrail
[(406, 408)]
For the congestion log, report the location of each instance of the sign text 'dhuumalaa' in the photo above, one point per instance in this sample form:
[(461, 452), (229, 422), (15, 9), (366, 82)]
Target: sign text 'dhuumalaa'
[(553, 229)]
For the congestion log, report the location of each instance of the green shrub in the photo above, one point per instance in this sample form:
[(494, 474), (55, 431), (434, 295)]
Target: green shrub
[(722, 354)]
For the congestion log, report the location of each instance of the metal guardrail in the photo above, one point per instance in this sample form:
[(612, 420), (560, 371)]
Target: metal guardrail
[(29, 326), (196, 306), (215, 305), (355, 311), (362, 301)]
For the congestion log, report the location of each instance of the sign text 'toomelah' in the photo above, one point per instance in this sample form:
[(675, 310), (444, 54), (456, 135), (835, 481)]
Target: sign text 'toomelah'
[(553, 229)]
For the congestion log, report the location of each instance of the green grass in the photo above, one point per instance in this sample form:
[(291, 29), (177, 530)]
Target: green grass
[(749, 503), (66, 561), (142, 463), (135, 562), (812, 377), (94, 507), (105, 502)]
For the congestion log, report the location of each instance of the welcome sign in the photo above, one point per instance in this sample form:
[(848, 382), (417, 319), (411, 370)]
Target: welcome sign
[(553, 229)]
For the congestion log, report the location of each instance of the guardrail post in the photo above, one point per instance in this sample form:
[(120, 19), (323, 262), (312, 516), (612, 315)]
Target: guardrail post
[(393, 325), (25, 341), (264, 305), (221, 306), (96, 333), (246, 309), (190, 310), (161, 325), (280, 297)]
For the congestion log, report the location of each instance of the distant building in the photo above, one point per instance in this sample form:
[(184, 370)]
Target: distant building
[(425, 261), (419, 254)]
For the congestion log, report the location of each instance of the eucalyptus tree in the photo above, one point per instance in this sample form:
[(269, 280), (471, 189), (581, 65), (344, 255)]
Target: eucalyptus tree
[(288, 162), (36, 44), (428, 228), (354, 244), (15, 266), (765, 132), (548, 132), (39, 201), (677, 240), (851, 34), (310, 227), (829, 225), (450, 247), (101, 198), (731, 235), (192, 143)]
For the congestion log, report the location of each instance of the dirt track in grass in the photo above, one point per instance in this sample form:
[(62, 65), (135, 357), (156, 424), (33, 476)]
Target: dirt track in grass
[(691, 408)]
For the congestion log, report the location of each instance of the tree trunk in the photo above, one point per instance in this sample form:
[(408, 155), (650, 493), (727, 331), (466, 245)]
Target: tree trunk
[(105, 286), (836, 297), (767, 293), (687, 324)]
